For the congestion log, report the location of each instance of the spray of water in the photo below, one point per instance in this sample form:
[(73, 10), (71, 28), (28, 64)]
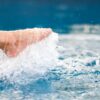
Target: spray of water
[(35, 59)]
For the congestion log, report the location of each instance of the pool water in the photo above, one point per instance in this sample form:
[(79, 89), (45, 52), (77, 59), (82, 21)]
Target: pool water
[(56, 14), (77, 79)]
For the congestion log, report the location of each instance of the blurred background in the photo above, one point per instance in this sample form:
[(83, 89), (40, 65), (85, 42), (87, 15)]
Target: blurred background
[(63, 16)]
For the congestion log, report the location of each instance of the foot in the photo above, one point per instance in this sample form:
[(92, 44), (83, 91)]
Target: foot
[(18, 40)]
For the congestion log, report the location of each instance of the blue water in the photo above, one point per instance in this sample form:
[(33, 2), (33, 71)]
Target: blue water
[(77, 79), (57, 14)]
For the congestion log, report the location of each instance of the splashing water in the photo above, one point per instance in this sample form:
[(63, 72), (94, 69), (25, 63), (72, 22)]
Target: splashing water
[(69, 70), (35, 59)]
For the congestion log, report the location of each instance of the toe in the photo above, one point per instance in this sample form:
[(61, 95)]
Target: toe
[(41, 33), (45, 32)]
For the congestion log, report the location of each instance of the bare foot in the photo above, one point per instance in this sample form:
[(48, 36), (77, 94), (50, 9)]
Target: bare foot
[(18, 40)]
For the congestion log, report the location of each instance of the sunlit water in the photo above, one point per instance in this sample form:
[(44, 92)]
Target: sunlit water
[(76, 78)]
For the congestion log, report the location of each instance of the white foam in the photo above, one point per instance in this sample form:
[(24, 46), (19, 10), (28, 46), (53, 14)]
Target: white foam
[(35, 59)]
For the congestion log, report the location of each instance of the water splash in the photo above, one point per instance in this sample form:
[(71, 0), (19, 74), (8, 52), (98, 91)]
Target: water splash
[(77, 79), (35, 59)]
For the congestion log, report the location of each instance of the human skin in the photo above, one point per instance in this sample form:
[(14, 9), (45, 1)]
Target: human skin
[(13, 42)]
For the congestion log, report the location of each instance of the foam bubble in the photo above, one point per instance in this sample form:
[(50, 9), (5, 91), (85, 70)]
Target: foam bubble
[(35, 59)]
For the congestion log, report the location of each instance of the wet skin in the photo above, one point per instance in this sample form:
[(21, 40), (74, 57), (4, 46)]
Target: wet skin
[(13, 42)]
